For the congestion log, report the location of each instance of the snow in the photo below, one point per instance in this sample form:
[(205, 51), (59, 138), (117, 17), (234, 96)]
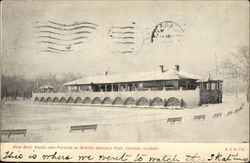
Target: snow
[(51, 123)]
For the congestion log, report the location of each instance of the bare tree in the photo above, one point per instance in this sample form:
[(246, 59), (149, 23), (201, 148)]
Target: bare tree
[(237, 67), (16, 86)]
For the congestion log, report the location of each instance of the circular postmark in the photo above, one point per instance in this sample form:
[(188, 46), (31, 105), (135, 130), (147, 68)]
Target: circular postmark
[(168, 31)]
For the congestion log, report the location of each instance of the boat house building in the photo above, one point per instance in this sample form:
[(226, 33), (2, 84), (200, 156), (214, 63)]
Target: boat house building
[(170, 88)]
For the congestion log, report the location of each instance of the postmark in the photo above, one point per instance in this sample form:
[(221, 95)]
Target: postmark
[(167, 31), (125, 39), (60, 38)]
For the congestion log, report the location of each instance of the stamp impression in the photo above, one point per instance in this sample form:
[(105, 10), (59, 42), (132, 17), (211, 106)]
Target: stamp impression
[(167, 31)]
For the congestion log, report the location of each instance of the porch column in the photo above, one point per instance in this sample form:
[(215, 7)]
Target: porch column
[(187, 84), (133, 86), (119, 87), (105, 90)]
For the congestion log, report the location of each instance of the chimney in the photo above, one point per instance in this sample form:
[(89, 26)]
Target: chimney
[(177, 67), (106, 73), (162, 68)]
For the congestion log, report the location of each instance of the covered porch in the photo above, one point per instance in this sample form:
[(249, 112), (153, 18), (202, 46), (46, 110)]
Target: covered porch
[(187, 84)]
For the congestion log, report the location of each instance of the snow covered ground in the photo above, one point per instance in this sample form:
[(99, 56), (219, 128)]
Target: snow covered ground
[(51, 123)]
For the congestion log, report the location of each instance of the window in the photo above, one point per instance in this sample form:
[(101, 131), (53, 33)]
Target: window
[(169, 84), (182, 84), (213, 86)]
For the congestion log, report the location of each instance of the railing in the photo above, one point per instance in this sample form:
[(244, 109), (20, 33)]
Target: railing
[(190, 97), (135, 90)]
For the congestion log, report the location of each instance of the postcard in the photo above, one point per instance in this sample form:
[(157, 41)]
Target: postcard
[(124, 81)]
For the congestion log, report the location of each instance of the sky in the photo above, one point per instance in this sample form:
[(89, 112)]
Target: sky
[(93, 37)]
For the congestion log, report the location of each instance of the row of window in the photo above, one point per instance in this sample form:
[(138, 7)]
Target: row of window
[(155, 85)]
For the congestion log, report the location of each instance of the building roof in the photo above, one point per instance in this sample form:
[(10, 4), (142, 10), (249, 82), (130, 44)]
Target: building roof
[(46, 87), (209, 78), (170, 74)]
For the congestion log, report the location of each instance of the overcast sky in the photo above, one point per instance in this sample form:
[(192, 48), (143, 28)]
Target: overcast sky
[(205, 29)]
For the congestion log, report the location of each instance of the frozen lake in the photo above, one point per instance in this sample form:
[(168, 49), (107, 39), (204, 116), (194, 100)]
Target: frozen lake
[(51, 123)]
